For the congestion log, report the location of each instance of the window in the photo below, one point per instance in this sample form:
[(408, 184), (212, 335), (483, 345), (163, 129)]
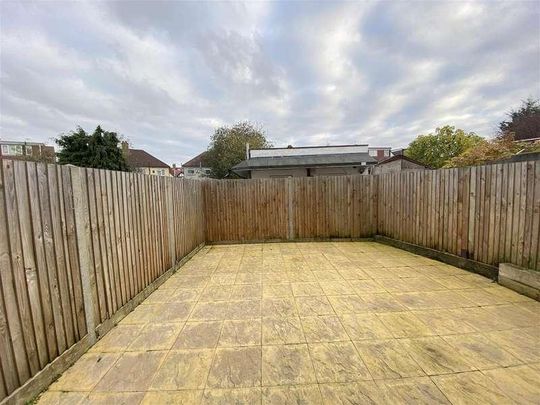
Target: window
[(13, 150), (372, 152), (207, 171), (386, 152), (28, 150), (191, 171)]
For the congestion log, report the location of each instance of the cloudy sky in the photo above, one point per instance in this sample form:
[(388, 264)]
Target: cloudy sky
[(165, 74)]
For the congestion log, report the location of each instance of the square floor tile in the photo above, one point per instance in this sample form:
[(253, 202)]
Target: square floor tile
[(86, 372), (364, 326), (278, 307), (404, 324), (337, 362), (312, 306), (417, 390), (183, 369), (323, 329), (240, 333), (353, 393), (282, 331), (237, 396), (156, 337), (287, 365), (128, 374), (198, 335), (235, 368), (387, 359), (117, 339), (470, 388), (184, 397), (292, 394)]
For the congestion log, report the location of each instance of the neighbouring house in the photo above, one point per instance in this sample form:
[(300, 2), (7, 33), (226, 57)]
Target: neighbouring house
[(380, 152), (306, 161), (197, 167), (33, 151), (397, 163), (143, 162)]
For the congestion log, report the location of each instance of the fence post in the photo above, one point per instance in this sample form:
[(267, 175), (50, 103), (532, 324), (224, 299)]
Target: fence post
[(170, 218), (84, 246), (290, 208)]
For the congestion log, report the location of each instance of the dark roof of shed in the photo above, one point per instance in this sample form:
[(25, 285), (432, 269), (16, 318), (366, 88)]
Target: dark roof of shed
[(337, 159), (197, 161), (401, 157), (141, 158)]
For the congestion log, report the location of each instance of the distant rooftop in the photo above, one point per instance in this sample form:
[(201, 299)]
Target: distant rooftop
[(141, 158)]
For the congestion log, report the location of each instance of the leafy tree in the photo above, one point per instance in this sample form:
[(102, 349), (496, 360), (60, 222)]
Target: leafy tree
[(436, 149), (99, 150), (499, 148), (228, 146), (524, 123)]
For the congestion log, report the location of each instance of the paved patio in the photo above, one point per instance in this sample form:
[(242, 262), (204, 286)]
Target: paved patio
[(335, 323)]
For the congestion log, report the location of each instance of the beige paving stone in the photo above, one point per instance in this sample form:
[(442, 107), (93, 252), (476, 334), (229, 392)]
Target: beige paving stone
[(209, 311), (315, 305), (387, 359), (435, 356), (352, 273), (184, 397), (247, 291), (86, 372), (453, 282), (287, 365), (404, 324), (247, 309), (240, 333), (481, 296), (299, 275), (156, 337), (238, 396), (364, 326), (444, 321), (198, 335), (222, 279), (214, 293), (481, 352), (61, 398), (282, 331), (278, 307), (117, 398), (117, 339), (127, 373), (353, 393), (380, 272), (521, 383), (142, 314), (367, 286), (480, 319), (292, 395), (183, 369), (184, 294), (337, 362), (235, 368), (306, 289), (277, 290), (507, 294), (172, 312), (416, 390), (522, 343), (345, 304), (160, 296), (514, 315), (382, 302), (323, 275), (248, 278), (470, 388), (323, 329), (340, 287)]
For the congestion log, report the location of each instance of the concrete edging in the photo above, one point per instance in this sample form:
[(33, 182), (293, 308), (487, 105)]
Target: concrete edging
[(520, 279)]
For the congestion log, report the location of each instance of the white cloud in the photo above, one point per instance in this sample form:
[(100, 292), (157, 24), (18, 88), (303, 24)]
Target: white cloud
[(166, 74)]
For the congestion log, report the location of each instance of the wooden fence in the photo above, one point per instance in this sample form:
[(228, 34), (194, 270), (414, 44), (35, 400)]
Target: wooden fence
[(302, 207), (73, 238), (490, 214)]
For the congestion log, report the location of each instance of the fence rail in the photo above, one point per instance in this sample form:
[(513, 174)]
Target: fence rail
[(66, 233), (77, 245)]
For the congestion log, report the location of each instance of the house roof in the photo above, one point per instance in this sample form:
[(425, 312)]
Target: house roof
[(141, 158), (197, 161), (402, 157), (338, 159)]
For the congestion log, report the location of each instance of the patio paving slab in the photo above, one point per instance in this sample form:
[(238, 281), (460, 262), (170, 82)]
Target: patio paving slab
[(315, 323)]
